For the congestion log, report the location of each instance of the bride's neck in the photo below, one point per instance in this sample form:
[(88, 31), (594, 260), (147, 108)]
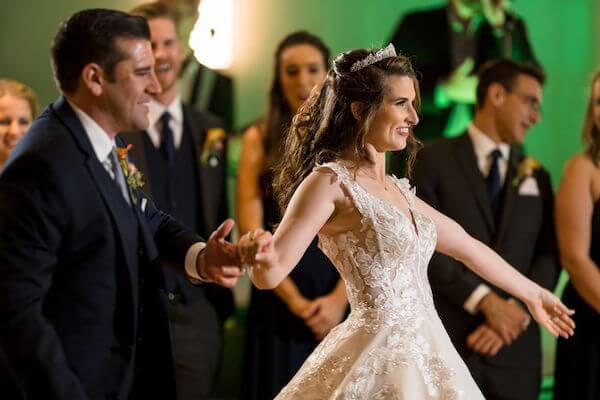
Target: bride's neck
[(375, 168)]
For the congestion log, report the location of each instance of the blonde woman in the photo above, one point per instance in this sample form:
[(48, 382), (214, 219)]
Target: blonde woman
[(18, 107), (578, 232)]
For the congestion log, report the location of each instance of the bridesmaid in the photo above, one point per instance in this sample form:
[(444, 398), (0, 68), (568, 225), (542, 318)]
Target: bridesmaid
[(577, 373)]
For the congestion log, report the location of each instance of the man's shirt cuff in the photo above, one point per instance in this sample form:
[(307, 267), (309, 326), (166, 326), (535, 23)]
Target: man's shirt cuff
[(476, 296), (191, 261)]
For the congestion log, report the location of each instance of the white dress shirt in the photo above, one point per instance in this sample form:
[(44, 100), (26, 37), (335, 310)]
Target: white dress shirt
[(483, 147), (103, 144), (156, 110)]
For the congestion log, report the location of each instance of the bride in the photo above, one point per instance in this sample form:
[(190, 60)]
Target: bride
[(380, 237)]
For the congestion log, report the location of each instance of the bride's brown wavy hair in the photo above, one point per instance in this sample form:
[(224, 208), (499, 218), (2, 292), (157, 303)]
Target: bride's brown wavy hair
[(324, 126)]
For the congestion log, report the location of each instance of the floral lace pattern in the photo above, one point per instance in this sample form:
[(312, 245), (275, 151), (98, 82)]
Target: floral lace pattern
[(393, 344)]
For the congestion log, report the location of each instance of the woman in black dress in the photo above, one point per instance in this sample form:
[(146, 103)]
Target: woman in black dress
[(284, 325), (577, 374)]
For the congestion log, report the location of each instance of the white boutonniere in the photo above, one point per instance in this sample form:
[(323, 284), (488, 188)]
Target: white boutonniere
[(133, 177), (525, 169), (213, 144)]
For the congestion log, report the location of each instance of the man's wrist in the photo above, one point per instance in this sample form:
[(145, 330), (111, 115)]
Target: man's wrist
[(192, 261), (487, 302), (201, 267)]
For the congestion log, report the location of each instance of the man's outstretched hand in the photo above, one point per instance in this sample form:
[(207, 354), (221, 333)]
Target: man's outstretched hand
[(219, 262)]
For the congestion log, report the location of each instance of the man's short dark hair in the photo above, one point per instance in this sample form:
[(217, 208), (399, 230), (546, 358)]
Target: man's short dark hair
[(505, 72), (155, 9), (90, 36)]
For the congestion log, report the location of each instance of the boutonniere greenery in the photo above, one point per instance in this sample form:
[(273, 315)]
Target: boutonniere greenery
[(213, 144), (525, 169), (133, 177)]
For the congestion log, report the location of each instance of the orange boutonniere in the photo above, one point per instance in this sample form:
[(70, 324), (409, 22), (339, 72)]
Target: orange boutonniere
[(133, 177), (213, 144), (525, 169)]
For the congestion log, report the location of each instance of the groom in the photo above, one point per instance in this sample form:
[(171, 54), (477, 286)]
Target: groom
[(79, 242)]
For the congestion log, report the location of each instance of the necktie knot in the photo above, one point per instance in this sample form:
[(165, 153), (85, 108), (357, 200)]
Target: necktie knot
[(495, 155)]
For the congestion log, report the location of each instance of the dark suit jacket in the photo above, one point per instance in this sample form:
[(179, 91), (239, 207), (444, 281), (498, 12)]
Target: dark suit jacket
[(212, 193), (424, 37), (447, 177), (74, 264), (220, 99)]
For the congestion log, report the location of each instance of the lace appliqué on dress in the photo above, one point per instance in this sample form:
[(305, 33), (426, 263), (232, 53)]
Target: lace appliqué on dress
[(384, 266)]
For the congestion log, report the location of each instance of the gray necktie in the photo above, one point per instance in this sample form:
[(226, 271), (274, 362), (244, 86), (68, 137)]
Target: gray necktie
[(111, 163)]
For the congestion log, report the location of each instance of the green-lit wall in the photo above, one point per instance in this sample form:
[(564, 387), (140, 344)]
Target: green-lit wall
[(563, 34)]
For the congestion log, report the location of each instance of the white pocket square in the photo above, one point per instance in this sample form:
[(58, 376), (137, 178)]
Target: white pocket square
[(529, 187), (143, 204)]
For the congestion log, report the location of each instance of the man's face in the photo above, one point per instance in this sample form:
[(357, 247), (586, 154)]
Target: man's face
[(125, 97), (168, 51), (519, 109)]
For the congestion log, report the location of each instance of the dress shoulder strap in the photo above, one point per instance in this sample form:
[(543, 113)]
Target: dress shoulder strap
[(409, 192), (358, 195)]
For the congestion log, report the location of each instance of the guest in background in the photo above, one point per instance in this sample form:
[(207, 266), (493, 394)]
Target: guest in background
[(182, 157), (484, 182), (207, 89), (18, 107), (578, 229), (447, 45), (284, 325)]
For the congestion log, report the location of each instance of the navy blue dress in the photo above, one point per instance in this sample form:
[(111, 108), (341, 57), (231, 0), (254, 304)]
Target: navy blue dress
[(577, 374)]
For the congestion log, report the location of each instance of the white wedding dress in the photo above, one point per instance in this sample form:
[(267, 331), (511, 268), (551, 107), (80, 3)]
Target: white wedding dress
[(393, 344)]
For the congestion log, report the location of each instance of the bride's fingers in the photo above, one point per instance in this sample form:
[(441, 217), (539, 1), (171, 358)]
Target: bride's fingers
[(567, 320), (565, 330), (265, 257), (549, 325), (561, 308)]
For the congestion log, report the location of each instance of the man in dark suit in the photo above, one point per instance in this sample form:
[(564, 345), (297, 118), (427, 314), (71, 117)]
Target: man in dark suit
[(447, 45), (79, 315), (184, 164), (483, 180), (207, 89)]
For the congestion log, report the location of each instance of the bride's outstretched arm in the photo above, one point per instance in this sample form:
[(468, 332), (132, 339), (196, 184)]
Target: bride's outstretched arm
[(453, 241), (272, 257)]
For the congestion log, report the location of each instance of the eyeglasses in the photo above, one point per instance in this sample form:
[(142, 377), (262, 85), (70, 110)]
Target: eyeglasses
[(530, 101)]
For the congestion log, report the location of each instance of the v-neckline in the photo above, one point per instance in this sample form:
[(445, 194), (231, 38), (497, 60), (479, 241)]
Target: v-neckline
[(410, 218)]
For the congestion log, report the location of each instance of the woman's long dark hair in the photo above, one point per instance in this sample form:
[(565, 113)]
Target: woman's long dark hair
[(279, 115), (325, 127)]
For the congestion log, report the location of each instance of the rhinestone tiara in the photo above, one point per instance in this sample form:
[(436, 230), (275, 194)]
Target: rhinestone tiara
[(379, 55)]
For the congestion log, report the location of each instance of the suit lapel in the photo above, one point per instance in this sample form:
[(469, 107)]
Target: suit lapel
[(468, 162), (198, 135), (510, 191), (109, 192)]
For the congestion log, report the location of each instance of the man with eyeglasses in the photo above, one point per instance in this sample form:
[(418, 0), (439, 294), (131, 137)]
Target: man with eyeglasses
[(483, 180)]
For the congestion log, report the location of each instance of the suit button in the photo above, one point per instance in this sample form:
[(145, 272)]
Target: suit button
[(140, 252), (171, 296)]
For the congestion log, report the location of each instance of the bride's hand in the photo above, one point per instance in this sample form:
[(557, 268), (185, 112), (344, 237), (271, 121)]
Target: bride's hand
[(252, 243), (548, 310)]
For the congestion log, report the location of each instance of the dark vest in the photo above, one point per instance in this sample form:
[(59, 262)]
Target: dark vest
[(185, 181), (185, 204)]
